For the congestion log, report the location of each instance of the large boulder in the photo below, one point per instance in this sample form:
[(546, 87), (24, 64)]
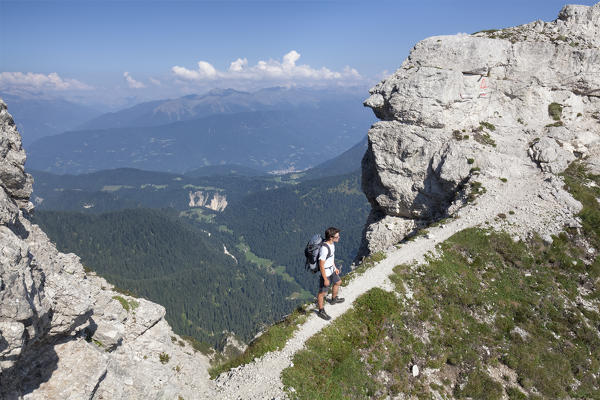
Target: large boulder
[(489, 105)]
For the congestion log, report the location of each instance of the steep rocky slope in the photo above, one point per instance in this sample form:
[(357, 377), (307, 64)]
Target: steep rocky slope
[(64, 333)]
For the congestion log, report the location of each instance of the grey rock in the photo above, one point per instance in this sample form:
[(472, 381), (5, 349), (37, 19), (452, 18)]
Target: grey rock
[(495, 88), (13, 178), (547, 239), (593, 159), (551, 155), (64, 333), (415, 370), (383, 231)]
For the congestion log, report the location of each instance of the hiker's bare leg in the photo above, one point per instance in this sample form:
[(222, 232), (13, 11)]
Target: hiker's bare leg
[(335, 289), (320, 299)]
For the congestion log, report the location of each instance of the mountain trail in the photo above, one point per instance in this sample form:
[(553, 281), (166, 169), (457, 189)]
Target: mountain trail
[(261, 378)]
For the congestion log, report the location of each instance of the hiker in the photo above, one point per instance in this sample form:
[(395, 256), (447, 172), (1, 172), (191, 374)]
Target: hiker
[(329, 272)]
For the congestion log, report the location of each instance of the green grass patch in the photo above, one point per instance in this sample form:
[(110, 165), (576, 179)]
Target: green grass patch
[(484, 138), (114, 188), (273, 339), (199, 214), (127, 304), (333, 366), (555, 111), (164, 358), (253, 258), (153, 186), (578, 183), (480, 386), (487, 126), (224, 228), (477, 189)]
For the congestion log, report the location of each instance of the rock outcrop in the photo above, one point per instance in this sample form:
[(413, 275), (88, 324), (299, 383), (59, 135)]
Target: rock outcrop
[(212, 200), (465, 112), (64, 332)]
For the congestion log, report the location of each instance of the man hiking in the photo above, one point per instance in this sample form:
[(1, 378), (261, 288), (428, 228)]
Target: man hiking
[(329, 272)]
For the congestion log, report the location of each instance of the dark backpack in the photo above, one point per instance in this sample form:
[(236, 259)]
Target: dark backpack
[(311, 252)]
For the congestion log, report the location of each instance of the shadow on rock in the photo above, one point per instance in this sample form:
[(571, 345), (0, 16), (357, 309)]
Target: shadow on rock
[(38, 362)]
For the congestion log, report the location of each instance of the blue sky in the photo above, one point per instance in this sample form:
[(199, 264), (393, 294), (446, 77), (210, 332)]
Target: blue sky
[(112, 50)]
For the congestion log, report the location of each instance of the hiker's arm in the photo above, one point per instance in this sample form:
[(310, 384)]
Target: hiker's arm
[(322, 268)]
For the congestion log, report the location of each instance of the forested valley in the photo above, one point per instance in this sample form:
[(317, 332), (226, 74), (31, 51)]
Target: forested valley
[(214, 272)]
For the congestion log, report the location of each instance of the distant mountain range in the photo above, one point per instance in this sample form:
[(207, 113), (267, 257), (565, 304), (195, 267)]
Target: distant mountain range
[(270, 130), (222, 101), (38, 117), (348, 161)]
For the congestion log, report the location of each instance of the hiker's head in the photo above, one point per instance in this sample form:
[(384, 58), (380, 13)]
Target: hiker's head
[(332, 233)]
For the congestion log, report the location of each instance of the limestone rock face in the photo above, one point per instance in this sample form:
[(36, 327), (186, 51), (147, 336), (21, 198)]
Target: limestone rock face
[(64, 333), (15, 184), (489, 105), (213, 200)]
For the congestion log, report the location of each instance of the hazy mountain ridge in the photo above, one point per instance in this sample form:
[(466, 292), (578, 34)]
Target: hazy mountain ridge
[(264, 140), (37, 117), (217, 101)]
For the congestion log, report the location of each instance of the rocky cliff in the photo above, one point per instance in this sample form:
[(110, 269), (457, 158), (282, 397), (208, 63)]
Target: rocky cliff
[(469, 113), (64, 332), (211, 200)]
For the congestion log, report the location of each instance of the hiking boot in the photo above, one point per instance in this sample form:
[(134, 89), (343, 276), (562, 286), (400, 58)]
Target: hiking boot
[(323, 314), (336, 300)]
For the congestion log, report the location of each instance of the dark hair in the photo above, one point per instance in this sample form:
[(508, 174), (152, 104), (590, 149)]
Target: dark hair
[(331, 232)]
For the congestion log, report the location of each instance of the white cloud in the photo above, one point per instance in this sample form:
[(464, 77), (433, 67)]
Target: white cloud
[(155, 81), (33, 81), (238, 65), (205, 71), (133, 84), (286, 70)]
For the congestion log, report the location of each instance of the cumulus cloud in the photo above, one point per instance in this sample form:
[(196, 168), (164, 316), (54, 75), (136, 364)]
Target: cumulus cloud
[(205, 71), (132, 82), (285, 70), (33, 81), (238, 65), (155, 81)]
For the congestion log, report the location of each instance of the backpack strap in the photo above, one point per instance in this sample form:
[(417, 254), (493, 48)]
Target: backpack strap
[(328, 250)]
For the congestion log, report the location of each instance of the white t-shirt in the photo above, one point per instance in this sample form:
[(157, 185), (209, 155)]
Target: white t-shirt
[(329, 265)]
